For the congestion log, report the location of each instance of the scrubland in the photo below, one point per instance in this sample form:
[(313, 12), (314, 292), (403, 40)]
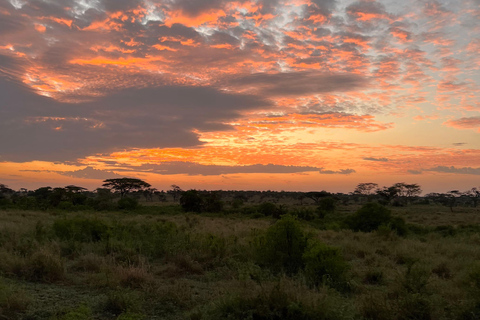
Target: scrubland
[(158, 262)]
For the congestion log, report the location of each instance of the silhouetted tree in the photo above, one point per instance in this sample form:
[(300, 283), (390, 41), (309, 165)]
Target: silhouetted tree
[(366, 189), (474, 195), (148, 193), (317, 195), (125, 185), (175, 191)]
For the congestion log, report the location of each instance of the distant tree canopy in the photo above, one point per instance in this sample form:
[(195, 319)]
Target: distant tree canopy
[(125, 185)]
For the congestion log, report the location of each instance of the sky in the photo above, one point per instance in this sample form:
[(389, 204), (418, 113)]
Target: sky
[(294, 95)]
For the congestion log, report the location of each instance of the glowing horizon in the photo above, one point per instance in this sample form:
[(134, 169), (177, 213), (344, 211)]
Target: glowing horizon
[(248, 94)]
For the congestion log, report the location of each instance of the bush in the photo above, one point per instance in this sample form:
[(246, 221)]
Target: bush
[(81, 229), (212, 202), (302, 213), (191, 201), (278, 302), (399, 226), (324, 265), (120, 301), (127, 203), (44, 266), (282, 247), (267, 209), (325, 205), (369, 217), (12, 301)]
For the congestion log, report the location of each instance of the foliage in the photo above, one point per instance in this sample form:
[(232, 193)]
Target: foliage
[(191, 201), (282, 247), (324, 265), (194, 201), (369, 217), (278, 302), (81, 229), (125, 185), (127, 203)]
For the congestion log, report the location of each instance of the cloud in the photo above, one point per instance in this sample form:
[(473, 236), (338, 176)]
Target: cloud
[(191, 168), (376, 159), (299, 83), (452, 169), (458, 144), (341, 171), (41, 128), (414, 171), (90, 173), (464, 123)]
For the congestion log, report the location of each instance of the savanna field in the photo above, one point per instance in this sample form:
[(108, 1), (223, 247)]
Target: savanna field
[(263, 257)]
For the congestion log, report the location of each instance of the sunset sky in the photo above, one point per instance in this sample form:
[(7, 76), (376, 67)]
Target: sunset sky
[(256, 94)]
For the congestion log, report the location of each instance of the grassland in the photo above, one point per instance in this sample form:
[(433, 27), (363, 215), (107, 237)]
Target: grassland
[(161, 263)]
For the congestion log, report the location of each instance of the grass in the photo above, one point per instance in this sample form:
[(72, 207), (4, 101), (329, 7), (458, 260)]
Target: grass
[(159, 263)]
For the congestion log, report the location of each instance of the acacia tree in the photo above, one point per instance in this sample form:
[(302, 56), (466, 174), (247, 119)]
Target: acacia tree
[(366, 189), (316, 196), (175, 191), (474, 195), (125, 185)]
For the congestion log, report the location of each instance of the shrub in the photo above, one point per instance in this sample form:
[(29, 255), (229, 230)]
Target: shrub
[(83, 312), (81, 229), (282, 247), (302, 213), (12, 301), (398, 224), (373, 277), (127, 203), (44, 266), (324, 265), (325, 205), (268, 209), (212, 202), (191, 201), (278, 302), (369, 217), (121, 301)]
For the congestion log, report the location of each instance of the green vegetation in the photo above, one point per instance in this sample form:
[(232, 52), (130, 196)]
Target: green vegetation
[(233, 255)]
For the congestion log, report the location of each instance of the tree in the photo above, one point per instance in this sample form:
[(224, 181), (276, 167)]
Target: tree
[(366, 189), (125, 185), (175, 191), (474, 195), (148, 193), (407, 190), (191, 201), (317, 195)]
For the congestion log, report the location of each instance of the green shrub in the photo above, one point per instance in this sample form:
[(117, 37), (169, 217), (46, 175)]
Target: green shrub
[(83, 312), (275, 303), (325, 265), (373, 277), (131, 316), (81, 229), (398, 224), (212, 202), (44, 266), (325, 205), (127, 203), (191, 201), (268, 209), (303, 213), (12, 301), (282, 246), (121, 301), (369, 217)]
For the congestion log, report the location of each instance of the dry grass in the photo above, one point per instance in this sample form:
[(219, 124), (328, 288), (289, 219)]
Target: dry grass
[(207, 259)]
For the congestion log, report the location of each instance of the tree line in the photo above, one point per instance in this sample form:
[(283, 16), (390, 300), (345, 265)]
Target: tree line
[(124, 193)]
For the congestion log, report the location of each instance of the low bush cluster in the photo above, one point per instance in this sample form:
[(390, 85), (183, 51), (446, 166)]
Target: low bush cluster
[(286, 248)]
